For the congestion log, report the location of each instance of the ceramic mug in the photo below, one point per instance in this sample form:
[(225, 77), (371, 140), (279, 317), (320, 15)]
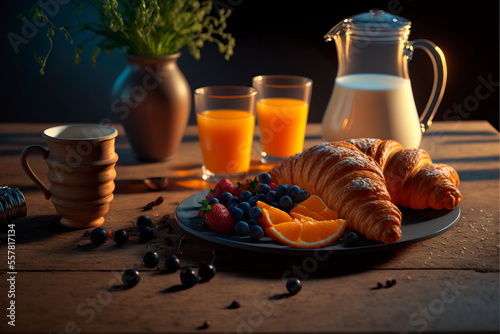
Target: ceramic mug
[(81, 163)]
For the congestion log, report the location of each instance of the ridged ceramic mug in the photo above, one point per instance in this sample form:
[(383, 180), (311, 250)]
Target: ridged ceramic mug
[(81, 163)]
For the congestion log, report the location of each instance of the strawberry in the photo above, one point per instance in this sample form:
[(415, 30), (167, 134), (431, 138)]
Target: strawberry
[(217, 217), (249, 184), (221, 187)]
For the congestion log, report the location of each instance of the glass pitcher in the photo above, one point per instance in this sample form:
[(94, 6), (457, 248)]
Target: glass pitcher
[(372, 96)]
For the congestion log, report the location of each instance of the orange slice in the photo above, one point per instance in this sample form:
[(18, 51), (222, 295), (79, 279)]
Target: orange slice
[(272, 215), (307, 234), (314, 207)]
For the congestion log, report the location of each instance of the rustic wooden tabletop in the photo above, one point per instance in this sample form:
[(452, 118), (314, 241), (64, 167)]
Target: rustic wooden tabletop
[(61, 283)]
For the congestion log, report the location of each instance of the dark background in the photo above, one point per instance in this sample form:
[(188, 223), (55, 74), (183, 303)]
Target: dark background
[(272, 37)]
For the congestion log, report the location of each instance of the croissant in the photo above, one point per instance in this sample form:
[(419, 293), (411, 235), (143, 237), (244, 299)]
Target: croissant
[(412, 179), (350, 182)]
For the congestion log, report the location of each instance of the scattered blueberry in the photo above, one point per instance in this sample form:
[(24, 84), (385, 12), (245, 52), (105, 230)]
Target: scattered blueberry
[(121, 237), (146, 233), (242, 228), (255, 213), (130, 278), (173, 263), (261, 197), (256, 232), (207, 272), (213, 200), (151, 259), (234, 304), (144, 221), (302, 196), (350, 238), (265, 178), (98, 236), (293, 285), (286, 202), (189, 277)]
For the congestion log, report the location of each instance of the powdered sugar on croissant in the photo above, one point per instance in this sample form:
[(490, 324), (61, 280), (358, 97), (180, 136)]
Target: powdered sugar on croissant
[(350, 183), (412, 179)]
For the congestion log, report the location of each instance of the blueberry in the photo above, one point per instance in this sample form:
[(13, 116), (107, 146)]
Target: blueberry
[(245, 195), (213, 200), (256, 232), (242, 228), (302, 196), (245, 207), (286, 202), (350, 238), (224, 198), (261, 197), (189, 277), (265, 178), (98, 236), (121, 237), (255, 212), (130, 278), (231, 206), (151, 259), (144, 221), (232, 200), (282, 190), (275, 204), (264, 188), (207, 272), (237, 214), (253, 200), (271, 196), (252, 222), (146, 233), (293, 286), (172, 263), (293, 191)]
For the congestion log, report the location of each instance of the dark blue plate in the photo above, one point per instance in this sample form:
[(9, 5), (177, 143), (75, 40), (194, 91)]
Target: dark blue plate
[(417, 225)]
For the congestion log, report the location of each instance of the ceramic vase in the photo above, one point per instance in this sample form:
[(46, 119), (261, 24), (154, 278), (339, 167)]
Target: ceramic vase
[(152, 100)]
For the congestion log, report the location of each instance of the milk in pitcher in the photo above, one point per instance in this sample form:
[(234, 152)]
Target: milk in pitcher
[(369, 106)]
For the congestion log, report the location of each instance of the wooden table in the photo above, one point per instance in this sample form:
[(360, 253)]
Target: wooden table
[(63, 284)]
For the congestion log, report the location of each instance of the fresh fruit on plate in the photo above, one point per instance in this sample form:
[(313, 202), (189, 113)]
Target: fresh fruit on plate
[(307, 233), (314, 207), (217, 217)]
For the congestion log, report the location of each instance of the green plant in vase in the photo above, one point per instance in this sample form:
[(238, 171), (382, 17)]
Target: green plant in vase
[(148, 28), (151, 97)]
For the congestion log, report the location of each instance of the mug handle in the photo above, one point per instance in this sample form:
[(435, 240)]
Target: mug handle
[(27, 169), (440, 77)]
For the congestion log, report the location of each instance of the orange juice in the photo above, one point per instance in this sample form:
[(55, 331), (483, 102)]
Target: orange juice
[(282, 124), (226, 138)]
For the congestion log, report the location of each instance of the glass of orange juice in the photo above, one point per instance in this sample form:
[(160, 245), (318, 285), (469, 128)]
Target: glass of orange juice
[(282, 109), (226, 122)]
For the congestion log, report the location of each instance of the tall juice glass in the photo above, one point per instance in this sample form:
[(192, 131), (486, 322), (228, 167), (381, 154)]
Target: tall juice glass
[(282, 109), (226, 122)]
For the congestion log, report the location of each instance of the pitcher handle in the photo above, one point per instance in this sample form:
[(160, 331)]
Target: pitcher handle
[(440, 77), (27, 169)]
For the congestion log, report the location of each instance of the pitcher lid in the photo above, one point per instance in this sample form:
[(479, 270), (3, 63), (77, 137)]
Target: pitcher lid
[(377, 18), (375, 22)]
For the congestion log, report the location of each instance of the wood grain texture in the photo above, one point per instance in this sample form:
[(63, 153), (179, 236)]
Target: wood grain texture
[(446, 284)]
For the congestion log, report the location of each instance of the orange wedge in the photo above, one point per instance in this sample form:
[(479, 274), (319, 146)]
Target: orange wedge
[(314, 207), (272, 215), (308, 233)]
